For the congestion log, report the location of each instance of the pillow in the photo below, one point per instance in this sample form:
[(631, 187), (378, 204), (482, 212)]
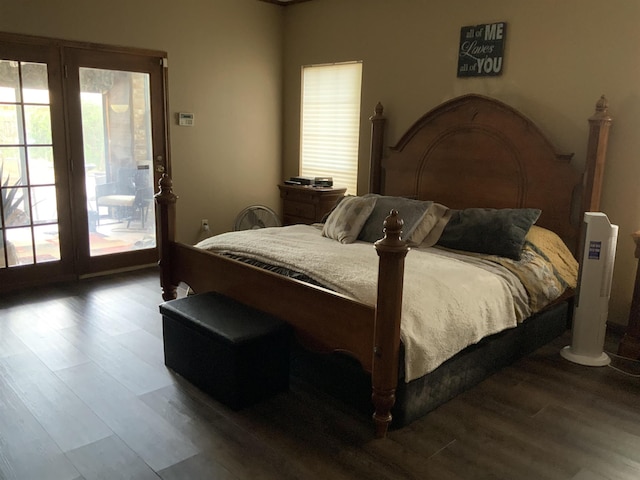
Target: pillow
[(411, 212), (346, 220), (492, 231), (432, 224)]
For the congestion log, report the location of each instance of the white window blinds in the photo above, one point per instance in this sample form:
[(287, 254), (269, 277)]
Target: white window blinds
[(331, 123)]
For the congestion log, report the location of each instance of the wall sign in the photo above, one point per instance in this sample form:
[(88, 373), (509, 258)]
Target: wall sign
[(481, 50)]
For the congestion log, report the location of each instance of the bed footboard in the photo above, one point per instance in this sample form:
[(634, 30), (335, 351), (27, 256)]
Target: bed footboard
[(333, 322)]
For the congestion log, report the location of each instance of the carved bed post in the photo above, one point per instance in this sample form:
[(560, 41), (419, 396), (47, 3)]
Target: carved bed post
[(166, 221), (377, 149), (599, 125), (392, 251)]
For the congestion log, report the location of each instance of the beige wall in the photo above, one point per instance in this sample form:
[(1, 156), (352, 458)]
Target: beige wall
[(560, 57), (225, 61), (225, 66)]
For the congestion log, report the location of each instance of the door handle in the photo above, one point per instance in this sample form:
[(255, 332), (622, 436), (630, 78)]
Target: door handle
[(160, 164)]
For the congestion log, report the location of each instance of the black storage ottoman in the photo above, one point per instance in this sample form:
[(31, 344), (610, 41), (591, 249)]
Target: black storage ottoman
[(236, 354)]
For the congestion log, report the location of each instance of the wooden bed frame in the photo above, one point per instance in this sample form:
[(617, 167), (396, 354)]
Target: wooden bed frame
[(472, 151)]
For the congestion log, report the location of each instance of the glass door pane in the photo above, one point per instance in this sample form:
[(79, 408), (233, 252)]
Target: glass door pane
[(118, 160), (28, 206)]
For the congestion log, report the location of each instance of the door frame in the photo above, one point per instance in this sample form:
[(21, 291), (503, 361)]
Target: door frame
[(75, 261)]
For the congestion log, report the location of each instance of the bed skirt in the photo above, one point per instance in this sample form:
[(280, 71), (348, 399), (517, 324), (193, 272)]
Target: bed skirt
[(342, 377)]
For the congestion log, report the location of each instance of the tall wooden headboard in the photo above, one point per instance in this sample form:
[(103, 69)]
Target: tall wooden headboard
[(475, 151)]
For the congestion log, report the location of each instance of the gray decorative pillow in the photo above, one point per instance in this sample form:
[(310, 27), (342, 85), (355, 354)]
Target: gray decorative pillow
[(411, 212), (492, 231), (346, 220)]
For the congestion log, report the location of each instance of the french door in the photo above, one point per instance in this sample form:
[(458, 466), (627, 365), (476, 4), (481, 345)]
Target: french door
[(116, 122), (82, 144)]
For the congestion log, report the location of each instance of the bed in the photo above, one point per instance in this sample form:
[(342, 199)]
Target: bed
[(470, 152)]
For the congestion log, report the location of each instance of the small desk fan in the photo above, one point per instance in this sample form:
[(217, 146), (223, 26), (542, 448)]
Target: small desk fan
[(256, 216)]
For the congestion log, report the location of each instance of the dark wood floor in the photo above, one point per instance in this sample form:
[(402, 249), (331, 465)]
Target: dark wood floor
[(84, 394)]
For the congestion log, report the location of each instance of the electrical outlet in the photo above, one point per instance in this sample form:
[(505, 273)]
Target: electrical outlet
[(204, 223)]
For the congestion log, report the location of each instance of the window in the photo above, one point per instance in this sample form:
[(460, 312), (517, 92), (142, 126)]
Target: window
[(331, 123)]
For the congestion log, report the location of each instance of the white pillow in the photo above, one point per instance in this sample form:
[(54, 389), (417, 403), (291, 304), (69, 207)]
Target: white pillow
[(431, 225), (347, 219)]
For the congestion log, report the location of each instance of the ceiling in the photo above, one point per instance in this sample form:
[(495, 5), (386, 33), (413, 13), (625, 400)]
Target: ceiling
[(284, 2)]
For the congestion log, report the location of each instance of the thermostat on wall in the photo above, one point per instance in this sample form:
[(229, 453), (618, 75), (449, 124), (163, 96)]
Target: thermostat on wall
[(185, 119)]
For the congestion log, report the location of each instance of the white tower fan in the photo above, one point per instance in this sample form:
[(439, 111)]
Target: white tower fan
[(594, 288)]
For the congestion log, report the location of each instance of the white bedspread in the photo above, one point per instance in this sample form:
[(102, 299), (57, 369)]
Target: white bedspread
[(448, 303)]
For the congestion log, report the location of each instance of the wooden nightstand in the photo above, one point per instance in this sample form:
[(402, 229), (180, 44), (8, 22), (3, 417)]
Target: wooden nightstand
[(307, 204)]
